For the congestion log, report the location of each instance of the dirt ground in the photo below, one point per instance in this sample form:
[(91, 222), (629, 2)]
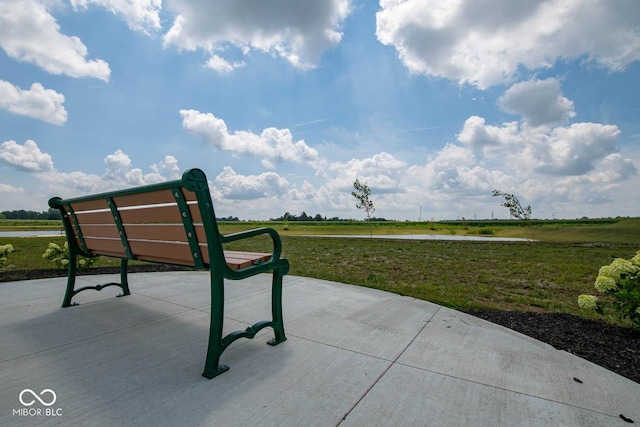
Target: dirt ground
[(612, 347)]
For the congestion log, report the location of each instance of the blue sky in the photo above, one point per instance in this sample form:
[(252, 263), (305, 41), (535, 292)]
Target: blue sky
[(284, 104)]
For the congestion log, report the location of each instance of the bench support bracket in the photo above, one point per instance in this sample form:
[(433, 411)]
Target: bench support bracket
[(71, 282), (218, 343)]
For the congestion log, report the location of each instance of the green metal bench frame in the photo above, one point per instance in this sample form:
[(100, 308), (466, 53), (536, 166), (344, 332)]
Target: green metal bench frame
[(200, 237)]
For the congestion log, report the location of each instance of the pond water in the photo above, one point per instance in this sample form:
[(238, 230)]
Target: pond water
[(36, 233), (432, 237)]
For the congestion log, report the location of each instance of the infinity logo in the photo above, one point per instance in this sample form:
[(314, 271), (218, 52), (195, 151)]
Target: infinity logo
[(32, 401)]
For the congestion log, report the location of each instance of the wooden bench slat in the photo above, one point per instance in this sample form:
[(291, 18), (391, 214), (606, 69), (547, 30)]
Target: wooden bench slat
[(165, 252), (163, 232), (107, 230), (103, 246), (155, 215), (151, 198), (238, 260), (103, 217), (196, 217), (89, 205)]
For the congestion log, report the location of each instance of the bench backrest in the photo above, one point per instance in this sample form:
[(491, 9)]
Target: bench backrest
[(171, 222)]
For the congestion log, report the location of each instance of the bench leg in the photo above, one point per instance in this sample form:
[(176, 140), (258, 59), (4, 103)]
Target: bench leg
[(276, 307), (124, 282), (212, 367), (71, 280), (218, 343)]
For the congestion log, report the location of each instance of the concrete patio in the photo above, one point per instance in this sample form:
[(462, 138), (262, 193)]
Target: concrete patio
[(354, 357)]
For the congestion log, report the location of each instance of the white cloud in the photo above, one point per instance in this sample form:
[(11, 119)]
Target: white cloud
[(221, 65), (168, 167), (454, 170), (117, 164), (27, 157), (291, 29), (118, 173), (232, 186), (37, 102), (595, 187), (484, 43), (539, 142), (14, 198), (5, 188), (614, 168), (477, 134), (140, 15), (381, 172), (75, 183), (574, 150), (119, 169), (540, 102), (273, 145), (28, 32), (561, 151)]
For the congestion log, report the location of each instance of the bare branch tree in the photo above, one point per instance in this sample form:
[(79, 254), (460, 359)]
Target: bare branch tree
[(512, 203), (362, 194)]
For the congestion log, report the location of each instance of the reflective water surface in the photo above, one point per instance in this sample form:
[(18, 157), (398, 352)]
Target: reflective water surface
[(37, 233)]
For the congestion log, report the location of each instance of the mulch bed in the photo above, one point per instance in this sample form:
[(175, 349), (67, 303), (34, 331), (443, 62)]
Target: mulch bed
[(16, 275), (612, 347)]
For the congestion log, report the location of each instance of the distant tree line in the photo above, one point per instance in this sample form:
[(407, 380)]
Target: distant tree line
[(304, 217), (51, 214)]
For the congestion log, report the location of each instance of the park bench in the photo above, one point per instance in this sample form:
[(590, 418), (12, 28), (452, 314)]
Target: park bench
[(172, 223)]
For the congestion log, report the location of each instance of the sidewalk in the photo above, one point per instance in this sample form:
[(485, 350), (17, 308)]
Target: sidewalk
[(354, 357)]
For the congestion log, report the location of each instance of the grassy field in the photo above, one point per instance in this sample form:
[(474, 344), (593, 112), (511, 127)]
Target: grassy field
[(547, 274)]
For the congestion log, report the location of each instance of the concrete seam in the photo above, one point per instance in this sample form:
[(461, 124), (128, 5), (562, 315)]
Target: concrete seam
[(383, 373)]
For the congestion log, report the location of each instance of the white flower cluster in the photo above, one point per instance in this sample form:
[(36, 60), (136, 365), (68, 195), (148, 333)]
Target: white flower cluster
[(609, 275), (588, 302), (618, 267), (60, 256), (620, 279), (4, 251)]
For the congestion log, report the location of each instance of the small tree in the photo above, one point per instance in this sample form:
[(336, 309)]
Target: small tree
[(362, 194), (513, 204)]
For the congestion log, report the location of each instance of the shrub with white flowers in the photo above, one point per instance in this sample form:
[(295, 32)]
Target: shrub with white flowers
[(621, 281), (60, 257), (5, 250)]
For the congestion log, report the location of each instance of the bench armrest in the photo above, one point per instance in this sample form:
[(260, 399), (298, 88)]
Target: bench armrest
[(275, 237)]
